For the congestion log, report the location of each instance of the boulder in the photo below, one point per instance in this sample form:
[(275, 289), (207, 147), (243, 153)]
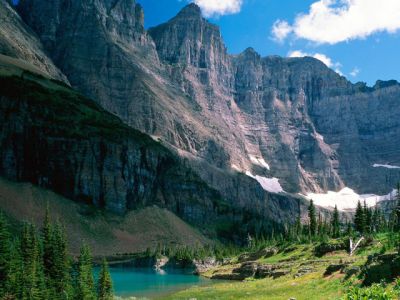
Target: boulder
[(264, 271), (161, 262), (382, 267), (247, 269), (263, 253), (325, 248), (350, 271), (229, 276), (204, 265), (334, 268), (279, 273), (304, 270)]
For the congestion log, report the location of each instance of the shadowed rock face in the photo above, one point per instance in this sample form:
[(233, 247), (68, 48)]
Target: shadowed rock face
[(314, 129), (57, 139), (19, 41)]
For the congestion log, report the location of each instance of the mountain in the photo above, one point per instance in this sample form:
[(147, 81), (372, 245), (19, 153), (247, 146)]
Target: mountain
[(57, 139), (121, 70), (223, 135), (272, 118), (314, 129)]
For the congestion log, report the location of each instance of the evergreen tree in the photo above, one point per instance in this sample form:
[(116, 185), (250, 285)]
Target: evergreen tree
[(298, 225), (312, 218), (48, 251), (55, 259), (368, 218), (320, 225), (397, 210), (25, 275), (61, 275), (14, 281), (375, 226), (359, 219), (335, 223), (85, 282), (104, 287), (392, 221), (32, 275), (349, 229), (5, 254)]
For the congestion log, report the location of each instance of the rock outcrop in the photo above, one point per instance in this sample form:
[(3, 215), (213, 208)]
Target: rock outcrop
[(254, 270)]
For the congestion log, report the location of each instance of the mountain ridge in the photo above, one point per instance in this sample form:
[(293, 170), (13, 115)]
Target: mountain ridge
[(227, 115)]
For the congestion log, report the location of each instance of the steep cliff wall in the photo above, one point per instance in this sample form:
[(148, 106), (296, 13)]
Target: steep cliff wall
[(274, 112), (57, 139), (19, 41), (282, 119)]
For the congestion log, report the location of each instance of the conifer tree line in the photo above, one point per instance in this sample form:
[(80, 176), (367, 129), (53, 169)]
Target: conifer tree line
[(366, 221), (35, 265)]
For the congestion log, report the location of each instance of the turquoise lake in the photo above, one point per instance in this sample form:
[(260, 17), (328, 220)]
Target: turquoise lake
[(133, 282)]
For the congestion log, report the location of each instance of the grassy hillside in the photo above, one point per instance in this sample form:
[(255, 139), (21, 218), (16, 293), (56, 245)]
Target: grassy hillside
[(107, 234), (302, 275)]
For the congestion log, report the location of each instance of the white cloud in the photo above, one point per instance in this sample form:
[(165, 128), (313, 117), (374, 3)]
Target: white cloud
[(322, 57), (355, 72), (335, 21), (219, 7), (280, 30)]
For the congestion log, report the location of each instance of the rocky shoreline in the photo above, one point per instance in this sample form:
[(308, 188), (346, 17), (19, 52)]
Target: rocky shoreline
[(163, 263)]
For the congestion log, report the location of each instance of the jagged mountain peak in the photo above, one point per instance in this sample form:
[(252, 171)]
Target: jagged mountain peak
[(189, 39), (191, 10), (250, 52)]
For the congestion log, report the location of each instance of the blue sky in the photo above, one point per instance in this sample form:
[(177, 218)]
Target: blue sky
[(359, 38)]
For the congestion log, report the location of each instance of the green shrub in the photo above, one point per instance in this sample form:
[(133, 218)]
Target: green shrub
[(397, 285), (374, 292)]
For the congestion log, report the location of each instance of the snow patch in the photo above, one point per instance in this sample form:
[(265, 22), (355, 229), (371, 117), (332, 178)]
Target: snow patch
[(385, 166), (347, 199), (259, 161), (271, 185), (236, 168), (319, 137), (156, 138)]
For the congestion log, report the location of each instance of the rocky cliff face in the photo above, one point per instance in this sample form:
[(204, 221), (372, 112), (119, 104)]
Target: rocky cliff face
[(91, 156), (273, 109), (277, 112), (291, 119), (364, 130), (19, 41), (55, 138), (106, 54)]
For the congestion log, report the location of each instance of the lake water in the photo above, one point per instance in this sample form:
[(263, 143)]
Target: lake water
[(133, 282)]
